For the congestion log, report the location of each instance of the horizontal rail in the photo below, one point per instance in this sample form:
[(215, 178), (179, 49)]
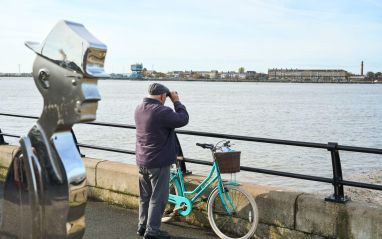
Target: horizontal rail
[(10, 135), (359, 149), (19, 116), (236, 137), (270, 172), (361, 185), (125, 126), (254, 139), (106, 149)]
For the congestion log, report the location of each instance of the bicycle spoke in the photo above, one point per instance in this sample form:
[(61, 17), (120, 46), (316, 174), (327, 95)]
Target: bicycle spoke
[(242, 223), (239, 199)]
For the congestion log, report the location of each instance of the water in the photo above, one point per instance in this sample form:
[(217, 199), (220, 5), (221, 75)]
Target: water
[(347, 114)]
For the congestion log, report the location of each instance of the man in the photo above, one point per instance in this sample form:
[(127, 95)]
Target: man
[(156, 150)]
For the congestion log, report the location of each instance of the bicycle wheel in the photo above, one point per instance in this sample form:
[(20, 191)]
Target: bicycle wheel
[(169, 210), (243, 220)]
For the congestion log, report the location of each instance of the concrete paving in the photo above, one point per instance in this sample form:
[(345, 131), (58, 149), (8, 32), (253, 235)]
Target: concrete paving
[(108, 221), (104, 221)]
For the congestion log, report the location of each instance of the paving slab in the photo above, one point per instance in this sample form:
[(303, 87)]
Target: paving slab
[(106, 221)]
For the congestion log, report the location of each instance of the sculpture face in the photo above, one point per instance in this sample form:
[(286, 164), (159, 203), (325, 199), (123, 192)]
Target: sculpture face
[(67, 94), (66, 70)]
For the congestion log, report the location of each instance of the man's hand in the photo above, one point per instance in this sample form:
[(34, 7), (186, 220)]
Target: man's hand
[(174, 96)]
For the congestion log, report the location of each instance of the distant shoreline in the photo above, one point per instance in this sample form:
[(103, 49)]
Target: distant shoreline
[(238, 80), (231, 80)]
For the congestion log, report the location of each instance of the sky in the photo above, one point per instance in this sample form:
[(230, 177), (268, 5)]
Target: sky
[(196, 35)]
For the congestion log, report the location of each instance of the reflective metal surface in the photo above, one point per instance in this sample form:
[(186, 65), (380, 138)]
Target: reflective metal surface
[(71, 46), (45, 188)]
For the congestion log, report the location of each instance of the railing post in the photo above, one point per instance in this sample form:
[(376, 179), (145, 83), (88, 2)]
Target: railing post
[(338, 195), (78, 147), (2, 141), (180, 157)]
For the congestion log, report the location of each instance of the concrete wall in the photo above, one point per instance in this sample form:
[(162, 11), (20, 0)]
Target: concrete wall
[(282, 214)]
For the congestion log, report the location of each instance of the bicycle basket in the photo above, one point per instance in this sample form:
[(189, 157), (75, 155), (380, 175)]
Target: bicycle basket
[(228, 162)]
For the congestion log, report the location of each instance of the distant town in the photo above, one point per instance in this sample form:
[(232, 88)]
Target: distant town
[(138, 72)]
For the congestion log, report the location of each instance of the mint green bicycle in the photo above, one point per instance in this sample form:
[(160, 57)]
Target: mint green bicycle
[(232, 212)]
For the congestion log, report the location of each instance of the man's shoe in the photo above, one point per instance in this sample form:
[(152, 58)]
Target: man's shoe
[(161, 235), (141, 231), (157, 237)]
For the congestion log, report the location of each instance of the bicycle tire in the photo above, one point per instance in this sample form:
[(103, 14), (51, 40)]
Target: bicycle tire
[(167, 214), (234, 226)]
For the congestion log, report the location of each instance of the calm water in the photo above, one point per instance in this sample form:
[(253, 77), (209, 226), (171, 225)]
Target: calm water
[(347, 114)]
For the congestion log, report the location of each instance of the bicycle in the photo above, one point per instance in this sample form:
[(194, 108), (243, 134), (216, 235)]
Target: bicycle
[(232, 212)]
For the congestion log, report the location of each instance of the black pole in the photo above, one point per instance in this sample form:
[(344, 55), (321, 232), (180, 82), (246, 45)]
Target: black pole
[(338, 195), (180, 156), (2, 141)]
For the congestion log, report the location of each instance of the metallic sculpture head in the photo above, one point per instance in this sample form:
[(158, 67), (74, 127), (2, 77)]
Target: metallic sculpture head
[(66, 69)]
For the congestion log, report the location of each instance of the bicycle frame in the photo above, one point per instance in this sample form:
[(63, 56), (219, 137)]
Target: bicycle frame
[(182, 197), (242, 223)]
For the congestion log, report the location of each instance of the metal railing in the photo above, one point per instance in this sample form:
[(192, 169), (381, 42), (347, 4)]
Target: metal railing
[(334, 148)]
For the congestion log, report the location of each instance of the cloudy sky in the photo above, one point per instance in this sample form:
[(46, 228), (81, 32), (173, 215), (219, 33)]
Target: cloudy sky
[(206, 34)]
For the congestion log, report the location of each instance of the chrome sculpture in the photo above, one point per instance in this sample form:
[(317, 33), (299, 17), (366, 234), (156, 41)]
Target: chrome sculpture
[(45, 189)]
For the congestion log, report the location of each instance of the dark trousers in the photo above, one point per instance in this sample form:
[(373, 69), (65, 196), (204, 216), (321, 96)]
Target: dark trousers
[(153, 190)]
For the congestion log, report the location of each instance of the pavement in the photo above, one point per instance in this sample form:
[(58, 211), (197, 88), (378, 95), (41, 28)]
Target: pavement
[(109, 221), (105, 221)]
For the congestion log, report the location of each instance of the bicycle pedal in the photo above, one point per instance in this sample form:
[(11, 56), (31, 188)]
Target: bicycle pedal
[(179, 208)]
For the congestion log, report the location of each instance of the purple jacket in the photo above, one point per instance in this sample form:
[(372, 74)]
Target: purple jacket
[(156, 144)]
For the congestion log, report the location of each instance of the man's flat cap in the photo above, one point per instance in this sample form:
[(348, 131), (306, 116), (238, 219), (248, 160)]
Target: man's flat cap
[(158, 89)]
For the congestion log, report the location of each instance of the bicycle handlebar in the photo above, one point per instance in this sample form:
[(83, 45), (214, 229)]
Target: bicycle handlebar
[(227, 144), (205, 146)]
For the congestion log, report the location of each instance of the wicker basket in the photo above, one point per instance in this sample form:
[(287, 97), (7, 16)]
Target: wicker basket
[(228, 162)]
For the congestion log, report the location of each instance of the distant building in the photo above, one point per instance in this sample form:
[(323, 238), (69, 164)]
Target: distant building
[(214, 74), (242, 76), (186, 74), (357, 78), (150, 73), (174, 74), (136, 71), (224, 75), (250, 73), (229, 75), (309, 75), (202, 74), (16, 74)]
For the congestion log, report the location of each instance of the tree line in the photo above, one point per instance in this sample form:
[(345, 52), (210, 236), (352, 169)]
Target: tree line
[(371, 75)]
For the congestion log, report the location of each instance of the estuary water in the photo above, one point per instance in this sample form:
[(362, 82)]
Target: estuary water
[(350, 114)]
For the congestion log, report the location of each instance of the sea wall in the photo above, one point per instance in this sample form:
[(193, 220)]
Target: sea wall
[(282, 214)]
